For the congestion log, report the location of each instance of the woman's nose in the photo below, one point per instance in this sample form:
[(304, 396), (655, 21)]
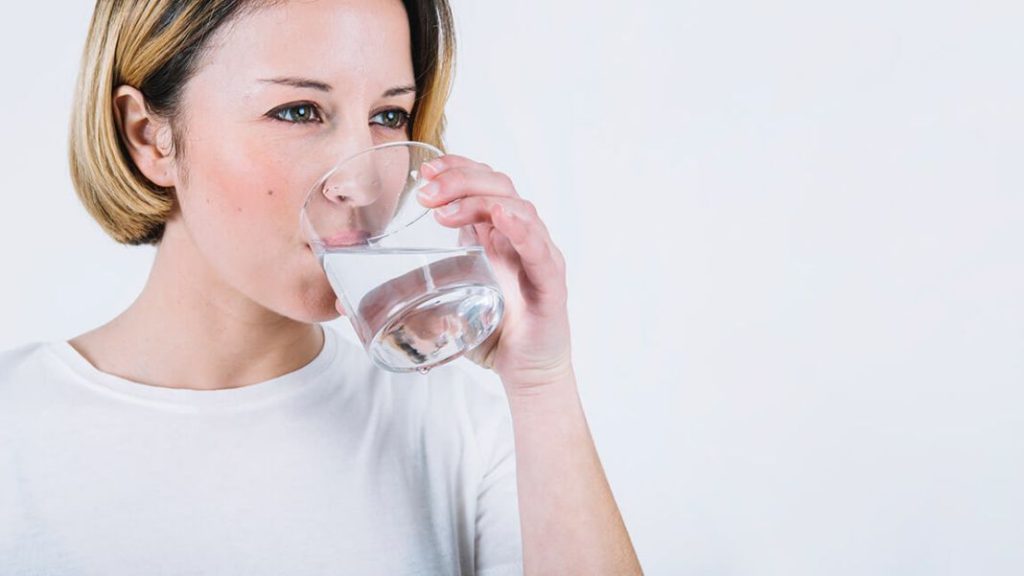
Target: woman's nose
[(353, 185), (358, 179)]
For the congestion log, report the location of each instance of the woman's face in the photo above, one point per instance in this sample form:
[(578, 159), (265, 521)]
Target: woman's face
[(281, 94)]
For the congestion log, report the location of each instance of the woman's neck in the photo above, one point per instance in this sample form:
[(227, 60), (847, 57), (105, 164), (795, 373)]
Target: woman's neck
[(189, 329)]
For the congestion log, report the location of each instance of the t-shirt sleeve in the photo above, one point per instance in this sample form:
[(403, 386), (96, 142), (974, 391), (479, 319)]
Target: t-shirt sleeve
[(498, 537)]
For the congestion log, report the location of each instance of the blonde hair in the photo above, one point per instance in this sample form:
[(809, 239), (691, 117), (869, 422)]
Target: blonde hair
[(153, 45)]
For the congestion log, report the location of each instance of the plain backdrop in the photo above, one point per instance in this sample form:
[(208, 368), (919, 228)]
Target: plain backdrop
[(793, 231)]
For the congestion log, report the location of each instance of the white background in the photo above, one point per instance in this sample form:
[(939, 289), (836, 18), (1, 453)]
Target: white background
[(794, 234)]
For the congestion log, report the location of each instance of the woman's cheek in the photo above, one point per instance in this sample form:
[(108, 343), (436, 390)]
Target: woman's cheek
[(249, 210)]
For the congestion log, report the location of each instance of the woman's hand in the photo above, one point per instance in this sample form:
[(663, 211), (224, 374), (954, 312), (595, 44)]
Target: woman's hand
[(531, 347)]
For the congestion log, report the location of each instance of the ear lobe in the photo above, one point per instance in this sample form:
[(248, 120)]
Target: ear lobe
[(146, 137)]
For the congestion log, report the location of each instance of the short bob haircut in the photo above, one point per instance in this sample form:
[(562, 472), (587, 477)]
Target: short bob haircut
[(154, 46)]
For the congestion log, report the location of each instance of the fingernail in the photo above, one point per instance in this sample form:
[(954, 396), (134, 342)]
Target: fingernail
[(449, 209), (430, 169), (429, 191)]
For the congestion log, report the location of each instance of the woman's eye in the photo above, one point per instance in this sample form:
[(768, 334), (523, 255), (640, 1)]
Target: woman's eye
[(298, 114), (395, 119)]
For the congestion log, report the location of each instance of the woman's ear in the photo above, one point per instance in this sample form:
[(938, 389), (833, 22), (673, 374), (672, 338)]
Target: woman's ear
[(146, 136)]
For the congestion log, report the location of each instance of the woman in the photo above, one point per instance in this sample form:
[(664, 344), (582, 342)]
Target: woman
[(214, 426)]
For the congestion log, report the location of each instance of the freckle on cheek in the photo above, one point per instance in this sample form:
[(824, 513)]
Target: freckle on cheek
[(270, 192)]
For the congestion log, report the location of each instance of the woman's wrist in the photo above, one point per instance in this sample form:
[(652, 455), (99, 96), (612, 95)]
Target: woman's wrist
[(538, 388)]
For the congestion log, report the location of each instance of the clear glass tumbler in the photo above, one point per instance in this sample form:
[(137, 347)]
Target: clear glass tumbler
[(419, 294)]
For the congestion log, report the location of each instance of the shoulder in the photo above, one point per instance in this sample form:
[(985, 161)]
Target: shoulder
[(15, 362), (483, 393), (479, 393), (483, 407), (21, 370)]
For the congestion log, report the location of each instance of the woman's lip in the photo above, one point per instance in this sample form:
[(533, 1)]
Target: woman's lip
[(346, 238)]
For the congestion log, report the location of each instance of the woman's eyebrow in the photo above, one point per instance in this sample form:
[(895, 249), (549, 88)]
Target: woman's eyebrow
[(325, 87), (398, 91), (299, 83)]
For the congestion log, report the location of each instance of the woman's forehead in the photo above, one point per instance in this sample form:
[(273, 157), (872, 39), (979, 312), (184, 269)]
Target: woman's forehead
[(344, 42)]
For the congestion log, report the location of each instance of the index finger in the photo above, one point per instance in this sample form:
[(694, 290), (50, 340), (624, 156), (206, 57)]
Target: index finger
[(438, 165)]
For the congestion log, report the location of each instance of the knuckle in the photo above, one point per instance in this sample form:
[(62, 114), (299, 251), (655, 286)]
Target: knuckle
[(559, 256), (504, 179), (559, 260)]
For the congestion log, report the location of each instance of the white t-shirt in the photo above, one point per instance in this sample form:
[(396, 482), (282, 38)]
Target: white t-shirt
[(336, 468)]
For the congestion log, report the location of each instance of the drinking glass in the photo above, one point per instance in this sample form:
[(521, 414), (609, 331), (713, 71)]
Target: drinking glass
[(419, 294)]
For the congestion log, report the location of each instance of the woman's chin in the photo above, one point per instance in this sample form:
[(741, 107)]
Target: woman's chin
[(320, 317), (315, 306)]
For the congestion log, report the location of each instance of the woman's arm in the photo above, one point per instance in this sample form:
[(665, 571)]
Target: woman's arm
[(570, 522)]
